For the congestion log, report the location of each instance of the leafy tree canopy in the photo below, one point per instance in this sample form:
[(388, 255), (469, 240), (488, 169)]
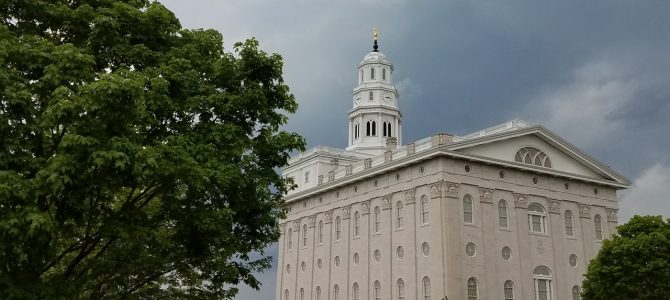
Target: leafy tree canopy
[(635, 264), (137, 158)]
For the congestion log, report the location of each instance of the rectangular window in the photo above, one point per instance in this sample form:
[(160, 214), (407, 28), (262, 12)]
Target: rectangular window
[(384, 74), (372, 73), (536, 222)]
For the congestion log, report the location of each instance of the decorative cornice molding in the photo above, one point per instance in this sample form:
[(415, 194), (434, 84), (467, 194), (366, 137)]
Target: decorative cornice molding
[(410, 196), (584, 211), (520, 200), (554, 206), (452, 189), (328, 217), (612, 215), (485, 195), (386, 201), (366, 207)]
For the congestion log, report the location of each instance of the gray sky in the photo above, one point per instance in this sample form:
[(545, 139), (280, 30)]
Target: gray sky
[(595, 72)]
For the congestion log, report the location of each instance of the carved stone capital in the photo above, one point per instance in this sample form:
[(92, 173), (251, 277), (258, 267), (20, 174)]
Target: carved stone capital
[(584, 211), (452, 189), (485, 195), (612, 215), (349, 169), (388, 156), (331, 175), (346, 212), (295, 225), (520, 200), (411, 149), (368, 163), (436, 189), (386, 202), (334, 163), (328, 217), (311, 220), (554, 206), (365, 207), (410, 196)]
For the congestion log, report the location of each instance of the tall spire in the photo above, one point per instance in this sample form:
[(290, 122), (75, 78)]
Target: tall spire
[(375, 34)]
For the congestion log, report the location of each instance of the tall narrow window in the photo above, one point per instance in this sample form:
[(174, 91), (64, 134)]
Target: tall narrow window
[(371, 96), (367, 128), (356, 292), (424, 209), (467, 209), (361, 76), (568, 224), (384, 74), (336, 292), (473, 291), (338, 228), (372, 73), (355, 131), (426, 288), (374, 128), (401, 289), (290, 238), (377, 293), (302, 294), (384, 129), (537, 221), (542, 282), (598, 222), (576, 293), (502, 214), (377, 219), (388, 129), (509, 290), (285, 294), (399, 214), (320, 232), (318, 293), (357, 224), (307, 177), (304, 235)]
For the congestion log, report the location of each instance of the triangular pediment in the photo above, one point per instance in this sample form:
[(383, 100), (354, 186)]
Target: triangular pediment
[(562, 156)]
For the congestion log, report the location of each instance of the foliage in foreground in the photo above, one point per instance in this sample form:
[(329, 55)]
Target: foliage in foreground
[(634, 264), (137, 159)]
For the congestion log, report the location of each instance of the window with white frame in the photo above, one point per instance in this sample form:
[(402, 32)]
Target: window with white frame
[(537, 218), (424, 210), (598, 223), (357, 224), (502, 214), (569, 226), (426, 288), (399, 214), (473, 290), (542, 283), (509, 290), (338, 228), (468, 209), (377, 219)]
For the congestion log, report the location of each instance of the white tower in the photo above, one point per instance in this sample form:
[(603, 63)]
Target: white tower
[(375, 116)]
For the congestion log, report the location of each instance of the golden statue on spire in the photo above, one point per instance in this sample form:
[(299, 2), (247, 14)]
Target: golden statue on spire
[(375, 33)]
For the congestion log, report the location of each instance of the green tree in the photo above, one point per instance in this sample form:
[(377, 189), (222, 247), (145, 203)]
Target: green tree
[(634, 264), (137, 159)]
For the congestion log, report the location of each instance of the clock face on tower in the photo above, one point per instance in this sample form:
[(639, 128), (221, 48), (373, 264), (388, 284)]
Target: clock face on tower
[(388, 98), (357, 100)]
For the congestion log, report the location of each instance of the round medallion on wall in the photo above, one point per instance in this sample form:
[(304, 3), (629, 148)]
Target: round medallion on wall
[(400, 252), (425, 249), (377, 255), (573, 260), (470, 249), (506, 253)]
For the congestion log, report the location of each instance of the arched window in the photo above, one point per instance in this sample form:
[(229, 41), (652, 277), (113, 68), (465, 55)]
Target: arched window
[(598, 222), (355, 130), (357, 224), (320, 232), (384, 74), (356, 292), (537, 218), (388, 129), (302, 294), (542, 282), (377, 293), (473, 291), (576, 293), (399, 214), (467, 209), (533, 156), (426, 288), (285, 294), (378, 219), (384, 129), (290, 238), (371, 96), (336, 292), (401, 289), (509, 290), (367, 128), (338, 228), (502, 214), (318, 293), (424, 209), (304, 235), (374, 128), (372, 73), (568, 224)]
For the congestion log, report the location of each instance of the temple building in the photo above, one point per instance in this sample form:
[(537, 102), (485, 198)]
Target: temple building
[(508, 212)]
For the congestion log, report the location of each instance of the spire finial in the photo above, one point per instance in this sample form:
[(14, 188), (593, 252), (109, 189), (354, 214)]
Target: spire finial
[(375, 34)]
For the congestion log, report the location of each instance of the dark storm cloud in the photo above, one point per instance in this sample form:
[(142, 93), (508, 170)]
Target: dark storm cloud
[(595, 72)]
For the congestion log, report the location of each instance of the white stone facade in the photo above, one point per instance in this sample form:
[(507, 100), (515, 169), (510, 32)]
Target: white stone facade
[(509, 212)]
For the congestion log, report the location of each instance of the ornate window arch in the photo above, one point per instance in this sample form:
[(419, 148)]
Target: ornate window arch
[(542, 281), (508, 290), (473, 290), (533, 156), (537, 218), (502, 214), (576, 293)]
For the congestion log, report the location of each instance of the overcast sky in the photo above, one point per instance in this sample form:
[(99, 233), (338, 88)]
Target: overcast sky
[(595, 72)]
